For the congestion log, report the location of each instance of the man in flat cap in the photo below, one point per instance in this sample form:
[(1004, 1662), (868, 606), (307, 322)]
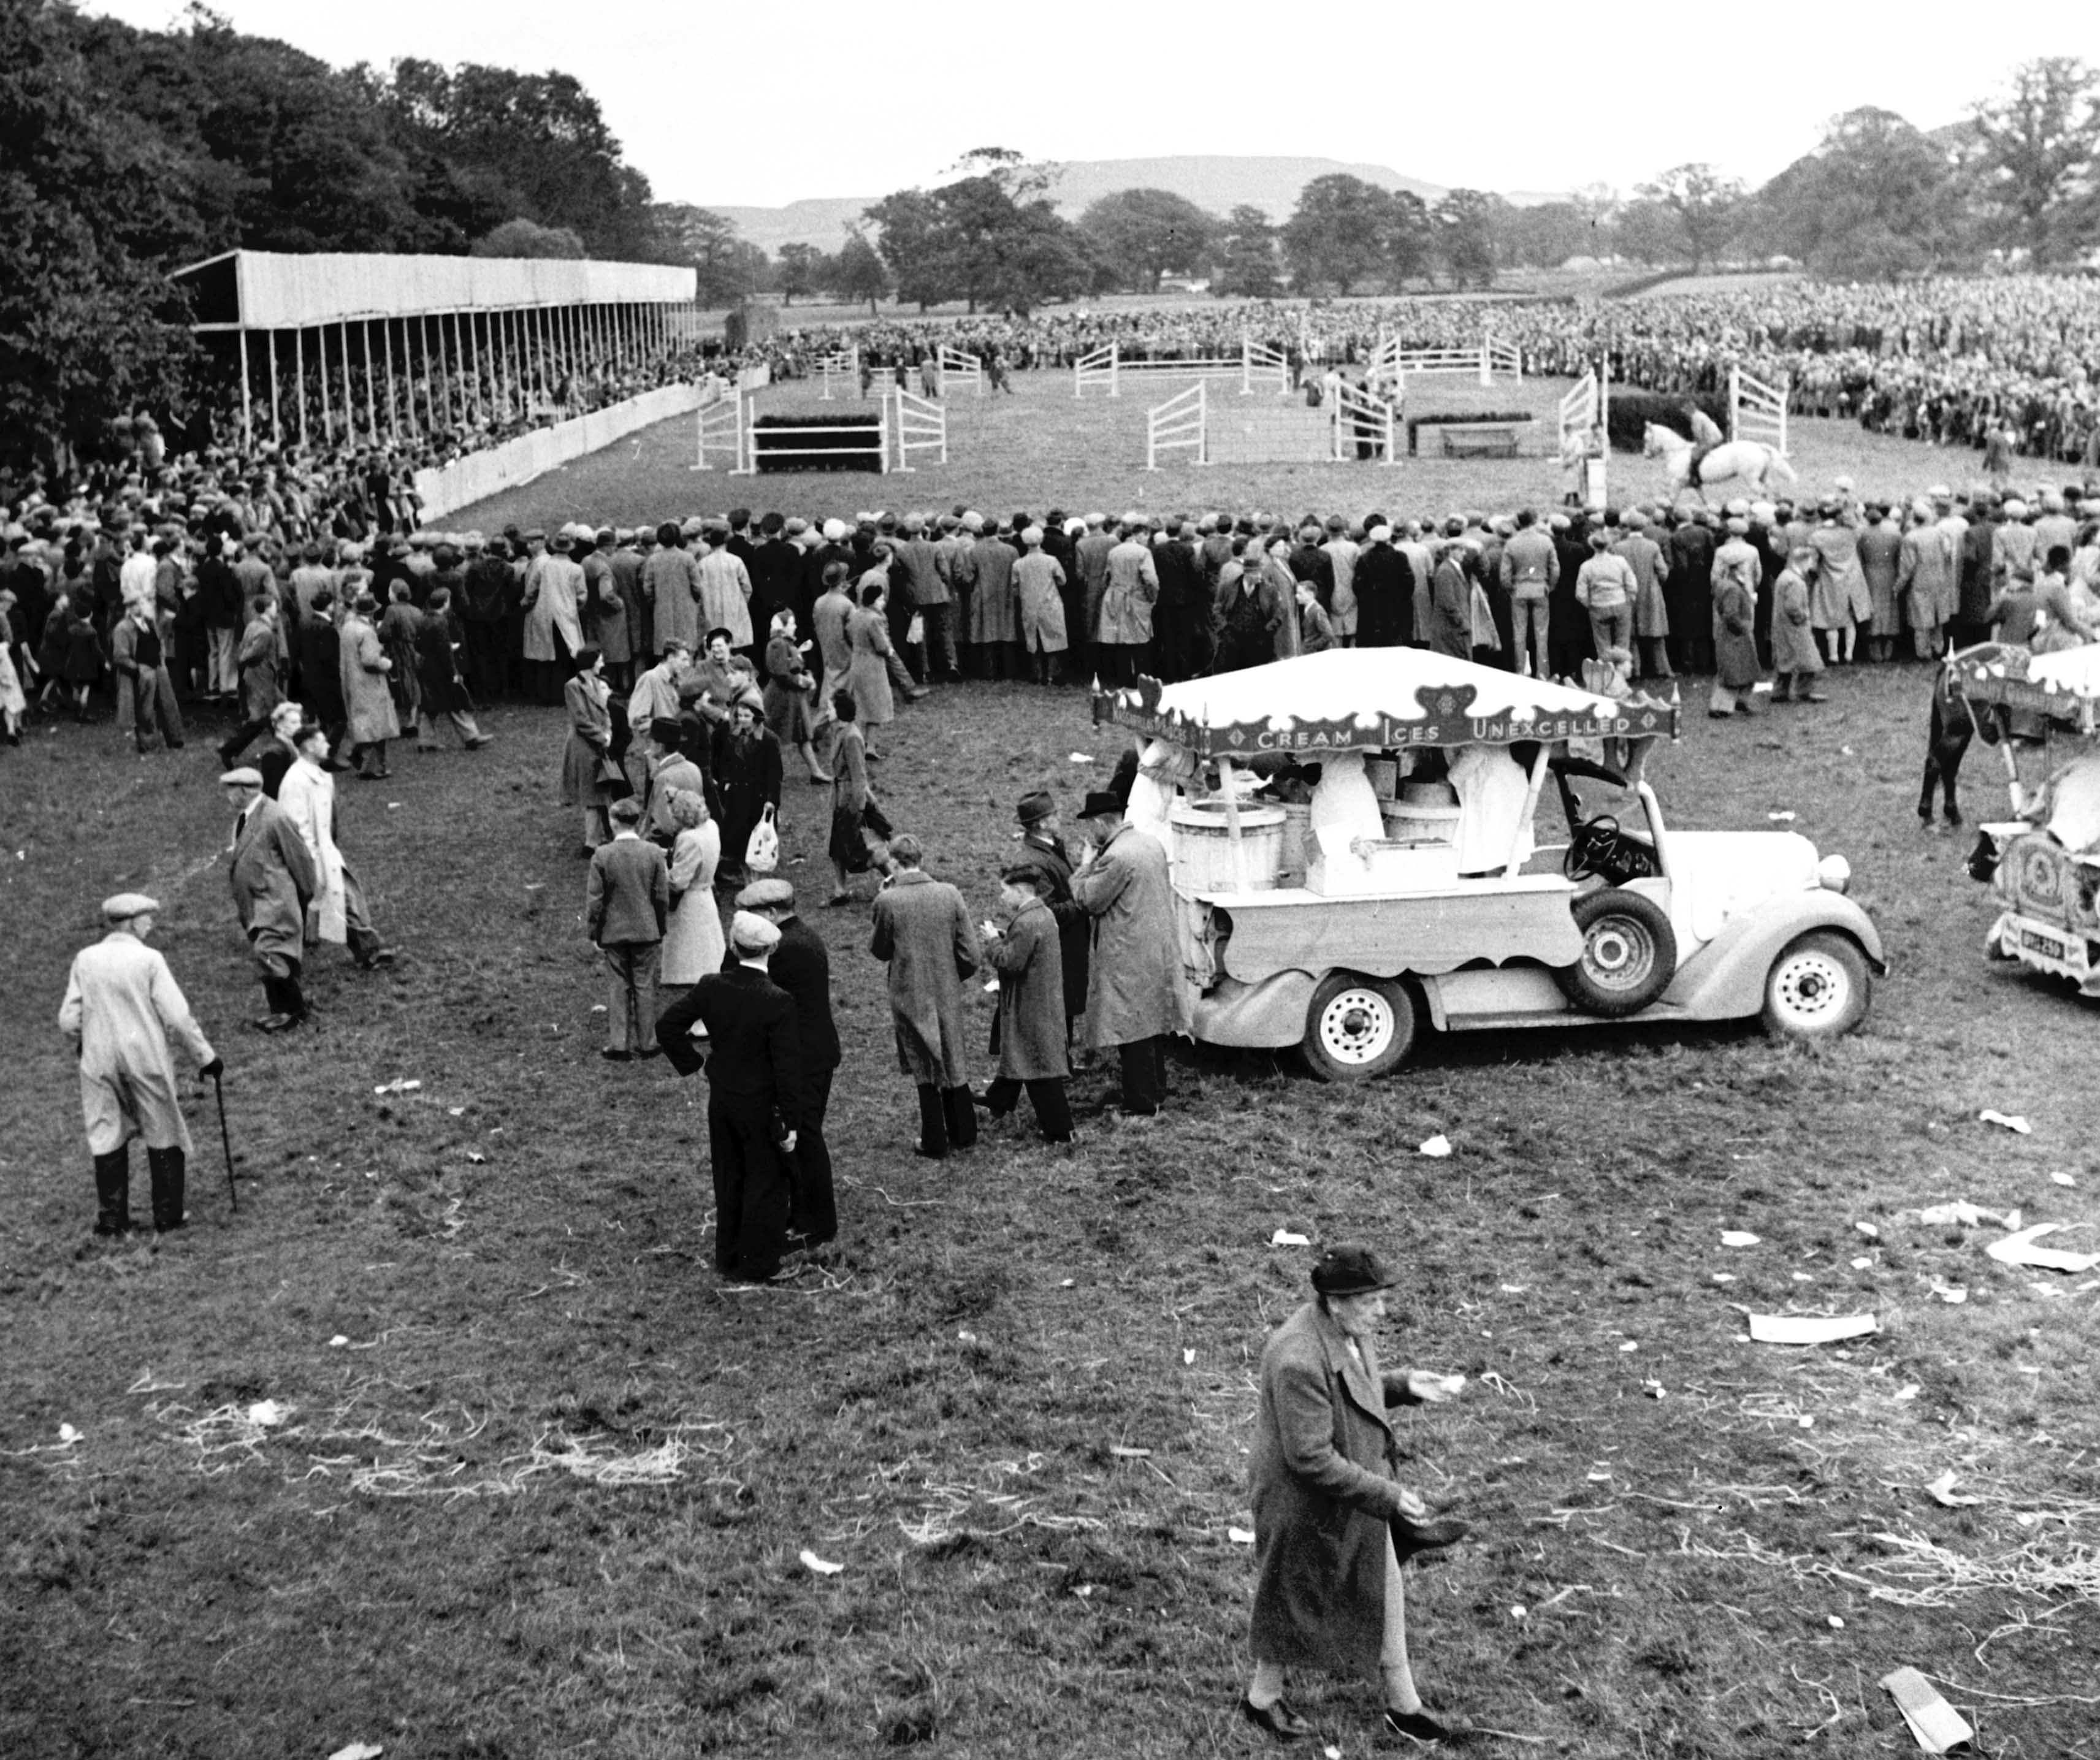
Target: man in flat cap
[(1332, 1523), (801, 965), (274, 879), (1136, 996), (122, 1004), (748, 1039)]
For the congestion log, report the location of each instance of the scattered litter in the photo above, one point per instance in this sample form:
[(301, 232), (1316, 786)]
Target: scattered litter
[(1739, 1237), (1629, 1345), (1868, 1229), (1809, 1328), (68, 1436), (2064, 1179), (1653, 1389), (1188, 1358), (822, 1567), (1909, 1390), (1836, 1624), (598, 1008), (966, 1338), (476, 1155), (1780, 819), (456, 1111), (1942, 1493), (2011, 1120), (1761, 688), (1519, 1613), (1599, 1478), (1724, 1276), (1285, 1237), (1082, 757), (2020, 1250), (358, 1751), (1801, 1276), (338, 1341), (1085, 1590), (1122, 1454), (1932, 1721), (401, 1084), (1862, 1263), (266, 1414), (1950, 1294), (1068, 1283), (1515, 1289), (1969, 1215), (536, 885), (1240, 1537), (1438, 1145), (393, 806), (2048, 1289)]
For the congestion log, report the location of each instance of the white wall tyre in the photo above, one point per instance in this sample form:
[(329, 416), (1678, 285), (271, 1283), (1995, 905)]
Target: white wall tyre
[(1819, 987), (1358, 1027)]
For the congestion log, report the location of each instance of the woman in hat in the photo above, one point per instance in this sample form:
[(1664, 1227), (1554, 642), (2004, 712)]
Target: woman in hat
[(590, 778), (868, 675), (1332, 1523), (745, 763)]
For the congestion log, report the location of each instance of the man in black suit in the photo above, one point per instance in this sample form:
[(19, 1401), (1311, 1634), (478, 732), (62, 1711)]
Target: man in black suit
[(801, 965), (754, 1097)]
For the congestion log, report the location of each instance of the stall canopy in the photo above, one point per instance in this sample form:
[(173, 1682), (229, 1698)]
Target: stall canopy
[(2064, 685), (269, 290), (1374, 700)]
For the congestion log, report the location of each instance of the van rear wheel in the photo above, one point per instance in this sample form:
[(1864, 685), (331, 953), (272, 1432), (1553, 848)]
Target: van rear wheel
[(1358, 1027)]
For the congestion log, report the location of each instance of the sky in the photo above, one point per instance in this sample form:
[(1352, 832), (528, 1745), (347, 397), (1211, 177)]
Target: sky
[(822, 99)]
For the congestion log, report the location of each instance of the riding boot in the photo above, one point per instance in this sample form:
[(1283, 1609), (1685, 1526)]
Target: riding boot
[(167, 1168), (112, 1191)]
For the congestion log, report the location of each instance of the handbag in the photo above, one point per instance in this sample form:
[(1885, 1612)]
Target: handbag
[(761, 855), (916, 632)]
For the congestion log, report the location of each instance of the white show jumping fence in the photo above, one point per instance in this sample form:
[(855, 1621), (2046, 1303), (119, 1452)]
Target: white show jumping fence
[(725, 424), (1182, 422), (845, 362), (1393, 365), (1259, 364), (920, 424), (1757, 410), (1585, 430), (1360, 418), (954, 363)]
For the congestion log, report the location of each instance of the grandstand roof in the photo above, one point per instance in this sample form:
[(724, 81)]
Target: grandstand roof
[(272, 290)]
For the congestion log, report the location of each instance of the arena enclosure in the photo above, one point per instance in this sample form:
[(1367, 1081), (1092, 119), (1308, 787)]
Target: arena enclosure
[(342, 349)]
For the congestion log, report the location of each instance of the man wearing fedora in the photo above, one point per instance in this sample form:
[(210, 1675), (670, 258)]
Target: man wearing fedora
[(274, 879), (122, 1004), (1135, 995), (1332, 1523)]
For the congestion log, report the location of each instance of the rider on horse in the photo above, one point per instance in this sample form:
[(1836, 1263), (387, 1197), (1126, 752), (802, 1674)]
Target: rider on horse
[(1705, 435)]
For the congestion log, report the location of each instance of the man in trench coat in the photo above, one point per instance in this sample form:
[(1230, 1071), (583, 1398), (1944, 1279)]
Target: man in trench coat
[(274, 878), (122, 1004), (923, 929), (1136, 993), (1330, 1517), (1031, 1007)]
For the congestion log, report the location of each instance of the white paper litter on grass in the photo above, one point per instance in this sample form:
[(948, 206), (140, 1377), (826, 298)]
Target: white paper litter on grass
[(1809, 1328), (1780, 819), (358, 1751), (1933, 1723), (68, 1436), (1082, 757), (401, 1084), (338, 1341), (1942, 1493), (1908, 1390), (1122, 1454), (1969, 1215), (266, 1413), (1438, 1145), (1950, 1294), (1285, 1237), (2020, 1250), (1739, 1237), (2064, 1179), (1240, 1537), (2011, 1120), (1862, 1263), (822, 1567), (1868, 1229), (1188, 1358)]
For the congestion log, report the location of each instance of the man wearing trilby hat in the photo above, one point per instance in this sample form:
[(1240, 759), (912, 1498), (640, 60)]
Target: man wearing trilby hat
[(274, 878), (121, 1003)]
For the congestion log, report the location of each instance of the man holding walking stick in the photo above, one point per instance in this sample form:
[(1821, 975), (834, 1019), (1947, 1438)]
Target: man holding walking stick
[(121, 1005)]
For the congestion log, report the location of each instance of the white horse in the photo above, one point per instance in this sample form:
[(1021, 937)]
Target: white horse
[(1750, 462)]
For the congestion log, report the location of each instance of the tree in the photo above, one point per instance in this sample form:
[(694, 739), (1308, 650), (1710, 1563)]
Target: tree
[(989, 236), (795, 271), (1466, 221), (1246, 262), (857, 272), (1704, 202), (1144, 234), (1337, 235), (2040, 140), (1876, 200), (89, 328), (728, 265), (1546, 234), (915, 245), (522, 238), (1409, 238)]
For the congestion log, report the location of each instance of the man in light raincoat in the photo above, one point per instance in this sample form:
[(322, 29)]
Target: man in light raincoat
[(122, 1004), (336, 911)]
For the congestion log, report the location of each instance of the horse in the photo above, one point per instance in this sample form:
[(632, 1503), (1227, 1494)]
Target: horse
[(1751, 462)]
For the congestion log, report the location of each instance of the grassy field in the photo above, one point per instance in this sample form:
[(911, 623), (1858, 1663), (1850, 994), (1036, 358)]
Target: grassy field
[(542, 1484), (998, 446)]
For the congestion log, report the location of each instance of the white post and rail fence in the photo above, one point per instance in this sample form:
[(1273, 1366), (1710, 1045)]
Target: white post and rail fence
[(1258, 367)]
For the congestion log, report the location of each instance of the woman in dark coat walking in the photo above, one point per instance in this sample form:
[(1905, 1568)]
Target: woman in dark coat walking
[(440, 690), (1332, 1520)]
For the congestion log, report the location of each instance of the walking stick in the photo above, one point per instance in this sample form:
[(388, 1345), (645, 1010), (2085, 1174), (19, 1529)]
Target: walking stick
[(226, 1143)]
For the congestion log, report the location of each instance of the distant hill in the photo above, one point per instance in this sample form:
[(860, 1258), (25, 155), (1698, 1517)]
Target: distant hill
[(1214, 182)]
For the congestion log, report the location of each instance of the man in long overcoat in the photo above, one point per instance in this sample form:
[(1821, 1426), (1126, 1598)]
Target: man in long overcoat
[(1031, 1007), (367, 702), (122, 1004), (274, 879), (923, 929), (1330, 1517), (1042, 848), (801, 965), (1735, 668), (1135, 993)]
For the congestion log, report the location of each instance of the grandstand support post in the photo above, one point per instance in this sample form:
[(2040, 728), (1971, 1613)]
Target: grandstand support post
[(371, 390), (299, 370), (247, 423), (393, 407), (276, 425)]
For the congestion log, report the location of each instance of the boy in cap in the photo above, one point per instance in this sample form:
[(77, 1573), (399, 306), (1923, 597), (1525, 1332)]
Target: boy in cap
[(627, 901), (122, 1004)]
